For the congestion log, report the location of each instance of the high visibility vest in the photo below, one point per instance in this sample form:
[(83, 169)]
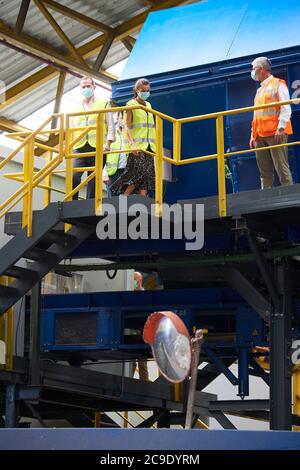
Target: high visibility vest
[(112, 159), (88, 120), (265, 121), (142, 128)]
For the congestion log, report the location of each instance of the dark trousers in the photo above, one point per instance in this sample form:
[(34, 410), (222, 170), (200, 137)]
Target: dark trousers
[(83, 162), (112, 179)]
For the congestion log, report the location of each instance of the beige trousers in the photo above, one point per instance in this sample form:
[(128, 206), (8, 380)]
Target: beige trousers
[(267, 160)]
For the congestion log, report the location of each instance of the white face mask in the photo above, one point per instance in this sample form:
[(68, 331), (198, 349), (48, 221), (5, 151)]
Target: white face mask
[(253, 76)]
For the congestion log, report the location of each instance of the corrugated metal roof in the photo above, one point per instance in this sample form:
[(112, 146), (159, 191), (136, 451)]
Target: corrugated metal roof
[(15, 67)]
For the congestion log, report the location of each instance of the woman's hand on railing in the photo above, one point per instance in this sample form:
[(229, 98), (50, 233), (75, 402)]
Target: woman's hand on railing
[(134, 150)]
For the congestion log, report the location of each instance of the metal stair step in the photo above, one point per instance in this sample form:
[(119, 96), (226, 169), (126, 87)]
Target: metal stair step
[(60, 238), (37, 254), (7, 291), (20, 273)]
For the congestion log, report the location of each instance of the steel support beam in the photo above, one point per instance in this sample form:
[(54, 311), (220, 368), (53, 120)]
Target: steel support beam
[(258, 371), (238, 405), (222, 420), (22, 16), (86, 51), (7, 125), (70, 46), (244, 287), (263, 267), (103, 52), (209, 373), (147, 423), (35, 414), (10, 406), (164, 420), (128, 43), (50, 54), (58, 98), (75, 15), (223, 368), (280, 348), (35, 326)]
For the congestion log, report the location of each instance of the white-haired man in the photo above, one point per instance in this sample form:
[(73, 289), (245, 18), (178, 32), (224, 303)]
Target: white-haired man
[(271, 126), (87, 143)]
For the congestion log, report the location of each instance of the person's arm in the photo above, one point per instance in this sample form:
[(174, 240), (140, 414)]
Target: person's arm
[(111, 130), (285, 113), (128, 132), (252, 140), (252, 143), (105, 177), (285, 110)]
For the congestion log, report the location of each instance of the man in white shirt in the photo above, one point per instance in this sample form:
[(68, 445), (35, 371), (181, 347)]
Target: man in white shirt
[(87, 143), (271, 126)]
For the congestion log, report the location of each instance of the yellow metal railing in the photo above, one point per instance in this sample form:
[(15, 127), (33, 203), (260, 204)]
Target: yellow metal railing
[(296, 394), (63, 153), (7, 331)]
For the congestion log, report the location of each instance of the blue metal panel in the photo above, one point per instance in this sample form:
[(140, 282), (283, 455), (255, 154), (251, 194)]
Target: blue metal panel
[(146, 439), (267, 26), (113, 248), (250, 328), (206, 297), (211, 32), (198, 138)]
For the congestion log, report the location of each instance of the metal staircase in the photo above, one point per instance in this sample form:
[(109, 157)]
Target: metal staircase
[(46, 248)]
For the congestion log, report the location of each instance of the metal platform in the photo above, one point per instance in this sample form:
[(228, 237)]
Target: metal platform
[(252, 202), (146, 439)]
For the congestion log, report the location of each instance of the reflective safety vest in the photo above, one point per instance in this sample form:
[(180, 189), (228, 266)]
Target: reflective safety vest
[(112, 159), (265, 121), (142, 128), (88, 120)]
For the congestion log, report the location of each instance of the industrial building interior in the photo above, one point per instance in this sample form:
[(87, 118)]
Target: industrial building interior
[(74, 355)]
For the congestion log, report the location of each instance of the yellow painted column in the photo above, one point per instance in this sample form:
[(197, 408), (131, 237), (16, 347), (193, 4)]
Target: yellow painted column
[(30, 185), (159, 167), (99, 163), (48, 181), (7, 331), (221, 166), (296, 394), (177, 141), (26, 178), (2, 331), (97, 419)]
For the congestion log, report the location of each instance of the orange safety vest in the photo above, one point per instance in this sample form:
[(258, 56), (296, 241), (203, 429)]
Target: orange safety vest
[(265, 121)]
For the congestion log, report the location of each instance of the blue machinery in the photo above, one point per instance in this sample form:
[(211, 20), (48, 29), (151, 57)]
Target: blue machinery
[(244, 287), (99, 323)]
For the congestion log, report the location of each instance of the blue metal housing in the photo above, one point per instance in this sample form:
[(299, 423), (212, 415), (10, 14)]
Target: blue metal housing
[(99, 321), (200, 63)]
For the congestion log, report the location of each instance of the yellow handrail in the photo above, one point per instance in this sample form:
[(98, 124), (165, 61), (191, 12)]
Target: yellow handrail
[(7, 330), (32, 179)]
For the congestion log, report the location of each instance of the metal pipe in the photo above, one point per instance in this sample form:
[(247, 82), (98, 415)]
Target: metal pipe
[(201, 260), (196, 349)]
